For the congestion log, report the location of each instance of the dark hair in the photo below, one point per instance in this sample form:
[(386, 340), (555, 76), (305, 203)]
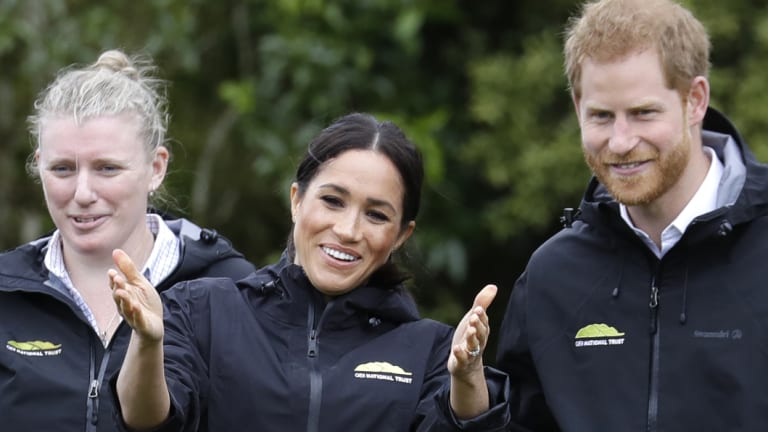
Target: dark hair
[(361, 131)]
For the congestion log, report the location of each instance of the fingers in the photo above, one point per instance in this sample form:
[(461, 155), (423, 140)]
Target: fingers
[(471, 335), (485, 297), (126, 266), (467, 355), (126, 287), (120, 292), (478, 328), (477, 331)]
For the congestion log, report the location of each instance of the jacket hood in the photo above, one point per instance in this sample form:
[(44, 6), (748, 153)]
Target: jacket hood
[(373, 304), (743, 190), (202, 248)]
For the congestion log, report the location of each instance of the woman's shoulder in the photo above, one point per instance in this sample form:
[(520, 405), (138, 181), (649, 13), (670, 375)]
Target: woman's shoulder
[(206, 253), (25, 260), (200, 290)]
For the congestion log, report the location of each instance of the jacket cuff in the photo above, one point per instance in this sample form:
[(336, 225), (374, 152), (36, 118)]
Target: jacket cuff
[(498, 416)]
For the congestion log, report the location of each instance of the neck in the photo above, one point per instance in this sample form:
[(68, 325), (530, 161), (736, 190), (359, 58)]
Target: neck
[(95, 265)]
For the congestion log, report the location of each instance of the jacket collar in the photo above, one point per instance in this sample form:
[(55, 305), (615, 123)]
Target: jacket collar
[(285, 286)]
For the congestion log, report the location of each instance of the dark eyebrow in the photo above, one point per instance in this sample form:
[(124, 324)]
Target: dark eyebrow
[(371, 201)]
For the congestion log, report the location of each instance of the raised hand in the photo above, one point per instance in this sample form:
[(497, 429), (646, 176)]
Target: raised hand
[(471, 335), (137, 300), (469, 390)]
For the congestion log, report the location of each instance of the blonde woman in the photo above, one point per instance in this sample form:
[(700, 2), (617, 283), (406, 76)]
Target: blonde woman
[(99, 154)]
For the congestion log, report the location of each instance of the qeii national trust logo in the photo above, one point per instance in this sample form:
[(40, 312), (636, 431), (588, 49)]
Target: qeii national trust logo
[(598, 335), (34, 348)]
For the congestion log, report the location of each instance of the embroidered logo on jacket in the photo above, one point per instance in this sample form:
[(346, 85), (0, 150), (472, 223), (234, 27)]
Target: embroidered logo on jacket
[(34, 348), (598, 335), (734, 334), (383, 371)]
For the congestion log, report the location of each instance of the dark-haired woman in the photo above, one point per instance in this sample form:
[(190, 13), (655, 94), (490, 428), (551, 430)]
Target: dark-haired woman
[(324, 340)]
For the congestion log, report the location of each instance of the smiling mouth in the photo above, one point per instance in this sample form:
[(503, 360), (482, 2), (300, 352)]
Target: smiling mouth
[(339, 255), (86, 219), (628, 165)]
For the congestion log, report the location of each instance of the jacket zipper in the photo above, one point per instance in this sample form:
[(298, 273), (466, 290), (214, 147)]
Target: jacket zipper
[(94, 388), (653, 387), (315, 377)]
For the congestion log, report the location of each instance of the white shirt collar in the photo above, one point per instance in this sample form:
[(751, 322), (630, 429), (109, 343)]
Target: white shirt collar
[(163, 259)]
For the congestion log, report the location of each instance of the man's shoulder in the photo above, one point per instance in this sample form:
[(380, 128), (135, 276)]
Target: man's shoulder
[(574, 243)]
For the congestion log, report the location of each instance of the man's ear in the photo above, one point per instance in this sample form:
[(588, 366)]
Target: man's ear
[(697, 100)]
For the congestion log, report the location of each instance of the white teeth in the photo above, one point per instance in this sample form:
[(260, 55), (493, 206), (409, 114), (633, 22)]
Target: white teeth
[(82, 220), (338, 254), (629, 165)]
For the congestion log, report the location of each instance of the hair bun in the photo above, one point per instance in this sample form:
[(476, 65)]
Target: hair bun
[(117, 61)]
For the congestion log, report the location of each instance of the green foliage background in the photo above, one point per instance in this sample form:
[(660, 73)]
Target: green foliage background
[(478, 85)]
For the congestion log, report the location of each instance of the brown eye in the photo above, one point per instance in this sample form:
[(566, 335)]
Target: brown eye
[(378, 216), (332, 201)]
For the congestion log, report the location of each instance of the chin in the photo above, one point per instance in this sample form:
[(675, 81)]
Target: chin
[(328, 285)]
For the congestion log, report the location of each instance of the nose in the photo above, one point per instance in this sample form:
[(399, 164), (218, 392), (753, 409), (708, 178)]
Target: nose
[(623, 138), (84, 191), (347, 226)]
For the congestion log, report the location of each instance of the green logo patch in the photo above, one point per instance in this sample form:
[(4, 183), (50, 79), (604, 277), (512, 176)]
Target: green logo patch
[(34, 348)]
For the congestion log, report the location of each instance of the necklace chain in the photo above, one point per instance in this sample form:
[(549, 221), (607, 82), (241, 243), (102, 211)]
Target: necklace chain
[(105, 331)]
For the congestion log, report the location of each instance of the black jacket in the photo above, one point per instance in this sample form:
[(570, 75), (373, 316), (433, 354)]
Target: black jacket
[(270, 354), (52, 362), (601, 335)]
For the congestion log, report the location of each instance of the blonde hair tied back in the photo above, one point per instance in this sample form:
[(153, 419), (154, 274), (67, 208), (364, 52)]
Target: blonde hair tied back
[(115, 84)]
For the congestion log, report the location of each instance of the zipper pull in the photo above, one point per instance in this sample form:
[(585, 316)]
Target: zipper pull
[(654, 305), (93, 390), (312, 343)]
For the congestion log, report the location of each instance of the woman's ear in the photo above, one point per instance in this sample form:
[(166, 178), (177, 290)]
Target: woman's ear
[(159, 167), (295, 200), (404, 235)]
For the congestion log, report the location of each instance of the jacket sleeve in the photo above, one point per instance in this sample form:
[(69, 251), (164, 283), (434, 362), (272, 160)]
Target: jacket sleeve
[(434, 413), (528, 406), (184, 345)]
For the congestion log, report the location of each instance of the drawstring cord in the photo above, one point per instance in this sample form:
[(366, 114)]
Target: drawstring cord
[(617, 289), (683, 315)]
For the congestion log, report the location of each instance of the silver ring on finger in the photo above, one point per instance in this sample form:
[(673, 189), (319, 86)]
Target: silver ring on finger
[(474, 352)]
